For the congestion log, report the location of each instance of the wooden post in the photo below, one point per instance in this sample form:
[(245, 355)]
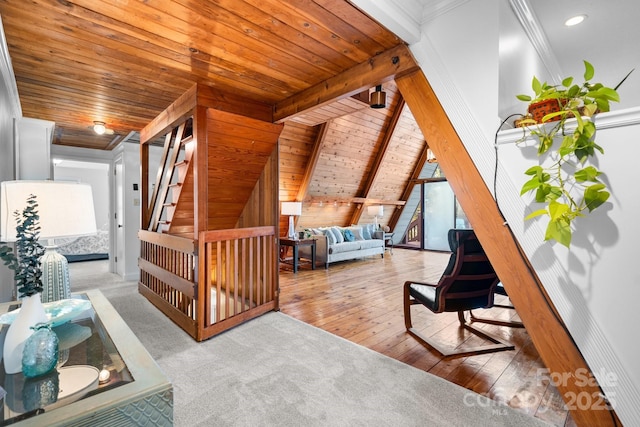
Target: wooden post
[(548, 333)]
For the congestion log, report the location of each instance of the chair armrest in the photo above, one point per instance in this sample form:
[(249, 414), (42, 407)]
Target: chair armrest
[(378, 234)]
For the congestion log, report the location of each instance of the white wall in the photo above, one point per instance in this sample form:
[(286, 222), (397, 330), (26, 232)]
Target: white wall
[(9, 111), (594, 285), (33, 149), (519, 62), (94, 174), (130, 154)]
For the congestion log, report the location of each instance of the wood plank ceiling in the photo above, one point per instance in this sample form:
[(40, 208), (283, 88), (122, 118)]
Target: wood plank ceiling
[(314, 62), (122, 63)]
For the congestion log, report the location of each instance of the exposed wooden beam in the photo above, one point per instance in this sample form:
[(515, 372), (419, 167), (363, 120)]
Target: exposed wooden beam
[(313, 161), (382, 151), (554, 343), (369, 201), (311, 164), (386, 66)]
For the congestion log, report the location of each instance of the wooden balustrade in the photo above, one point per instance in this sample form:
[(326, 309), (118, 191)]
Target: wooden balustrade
[(239, 276), (238, 268), (167, 276)]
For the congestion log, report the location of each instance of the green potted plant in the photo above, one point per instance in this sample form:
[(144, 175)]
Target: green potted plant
[(27, 274), (567, 185)]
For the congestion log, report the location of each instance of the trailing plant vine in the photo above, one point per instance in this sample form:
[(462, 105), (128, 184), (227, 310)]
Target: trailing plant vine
[(26, 265), (567, 185)]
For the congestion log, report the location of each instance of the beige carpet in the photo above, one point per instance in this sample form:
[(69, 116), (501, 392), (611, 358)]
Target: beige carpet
[(277, 371)]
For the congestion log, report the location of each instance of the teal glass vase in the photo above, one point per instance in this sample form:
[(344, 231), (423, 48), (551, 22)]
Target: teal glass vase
[(40, 353)]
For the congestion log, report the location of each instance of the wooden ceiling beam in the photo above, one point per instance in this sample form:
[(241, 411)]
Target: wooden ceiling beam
[(358, 201), (383, 67), (553, 341), (382, 151), (313, 161)]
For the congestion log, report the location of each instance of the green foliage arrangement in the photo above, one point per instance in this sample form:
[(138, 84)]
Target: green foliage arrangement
[(26, 265), (569, 186)]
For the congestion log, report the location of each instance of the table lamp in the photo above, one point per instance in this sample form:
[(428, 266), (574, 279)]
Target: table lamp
[(65, 210), (376, 211), (292, 209)]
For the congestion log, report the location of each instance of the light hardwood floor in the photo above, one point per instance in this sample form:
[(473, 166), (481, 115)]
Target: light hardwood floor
[(361, 301)]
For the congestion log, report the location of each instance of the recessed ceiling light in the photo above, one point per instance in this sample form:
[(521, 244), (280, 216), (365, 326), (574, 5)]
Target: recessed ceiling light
[(575, 20)]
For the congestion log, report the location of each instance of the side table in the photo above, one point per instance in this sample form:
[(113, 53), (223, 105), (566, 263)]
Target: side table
[(295, 244), (388, 240)]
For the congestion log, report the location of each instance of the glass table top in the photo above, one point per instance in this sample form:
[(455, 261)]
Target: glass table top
[(88, 364)]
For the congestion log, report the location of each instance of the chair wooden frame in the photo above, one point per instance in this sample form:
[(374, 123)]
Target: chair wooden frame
[(509, 323), (455, 292)]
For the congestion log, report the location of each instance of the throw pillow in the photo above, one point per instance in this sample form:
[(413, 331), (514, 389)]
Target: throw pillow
[(330, 237), (337, 234), (366, 233), (357, 232), (348, 236)]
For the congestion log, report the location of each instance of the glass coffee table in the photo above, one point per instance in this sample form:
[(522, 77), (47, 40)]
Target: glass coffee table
[(104, 377)]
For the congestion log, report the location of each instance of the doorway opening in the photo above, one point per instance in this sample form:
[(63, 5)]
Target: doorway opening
[(96, 174)]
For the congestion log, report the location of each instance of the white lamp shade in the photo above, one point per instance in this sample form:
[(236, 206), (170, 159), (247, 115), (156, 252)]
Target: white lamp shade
[(292, 208), (65, 208), (376, 210)]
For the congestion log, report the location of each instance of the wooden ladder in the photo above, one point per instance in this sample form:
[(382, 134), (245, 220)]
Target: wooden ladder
[(172, 173)]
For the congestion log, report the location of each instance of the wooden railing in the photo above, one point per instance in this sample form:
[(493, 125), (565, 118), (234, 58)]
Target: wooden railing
[(167, 276), (239, 277), (238, 271), (413, 231)]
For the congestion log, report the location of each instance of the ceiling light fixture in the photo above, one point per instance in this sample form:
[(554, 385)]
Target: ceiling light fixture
[(575, 20), (378, 98), (99, 128), (431, 157)]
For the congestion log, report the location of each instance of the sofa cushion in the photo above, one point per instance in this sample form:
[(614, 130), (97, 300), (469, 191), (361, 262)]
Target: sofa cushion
[(344, 247), (348, 235), (373, 243), (357, 232), (330, 236), (366, 233), (337, 233)]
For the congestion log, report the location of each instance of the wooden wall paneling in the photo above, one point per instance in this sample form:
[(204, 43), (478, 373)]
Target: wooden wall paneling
[(295, 146), (339, 108), (312, 161), (262, 208), (554, 343), (380, 156), (405, 147), (310, 169), (239, 148)]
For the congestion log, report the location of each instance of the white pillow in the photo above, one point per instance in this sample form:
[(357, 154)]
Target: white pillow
[(337, 234), (357, 232)]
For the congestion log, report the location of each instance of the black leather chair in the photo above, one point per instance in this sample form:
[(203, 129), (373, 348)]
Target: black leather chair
[(468, 282)]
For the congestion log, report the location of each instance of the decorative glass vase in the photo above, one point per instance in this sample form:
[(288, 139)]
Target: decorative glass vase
[(40, 354), (41, 391), (31, 313)]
